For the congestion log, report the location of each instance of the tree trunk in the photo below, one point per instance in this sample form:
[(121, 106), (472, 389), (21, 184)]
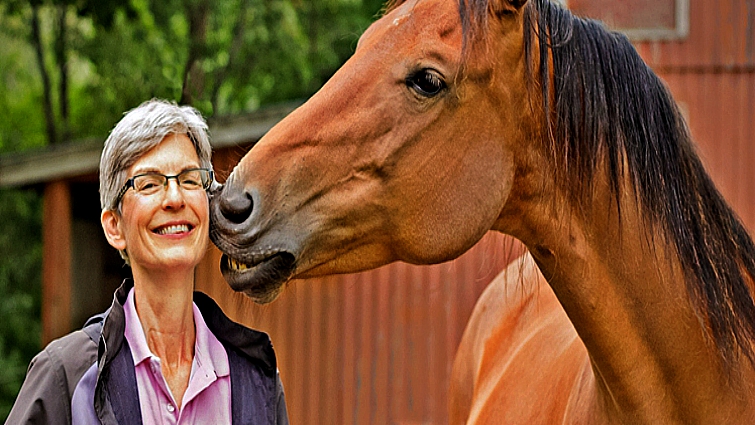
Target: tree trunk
[(198, 13), (61, 56), (46, 86)]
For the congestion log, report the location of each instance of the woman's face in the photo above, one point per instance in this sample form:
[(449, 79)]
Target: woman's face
[(169, 229)]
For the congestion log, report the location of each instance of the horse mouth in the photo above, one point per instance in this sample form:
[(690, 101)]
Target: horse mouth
[(260, 277)]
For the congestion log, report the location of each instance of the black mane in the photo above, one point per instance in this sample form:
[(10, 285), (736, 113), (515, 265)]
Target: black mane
[(610, 111)]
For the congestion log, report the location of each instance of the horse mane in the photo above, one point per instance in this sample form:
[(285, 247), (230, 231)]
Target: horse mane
[(609, 111)]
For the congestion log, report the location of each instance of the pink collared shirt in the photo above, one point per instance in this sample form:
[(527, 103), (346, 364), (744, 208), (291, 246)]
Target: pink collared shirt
[(208, 397)]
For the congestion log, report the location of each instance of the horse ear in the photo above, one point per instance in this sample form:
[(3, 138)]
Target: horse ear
[(506, 7)]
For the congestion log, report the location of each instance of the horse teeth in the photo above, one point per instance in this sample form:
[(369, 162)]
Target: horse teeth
[(254, 260), (237, 265)]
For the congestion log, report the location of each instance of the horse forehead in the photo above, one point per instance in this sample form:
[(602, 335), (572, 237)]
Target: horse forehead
[(439, 16), (422, 18)]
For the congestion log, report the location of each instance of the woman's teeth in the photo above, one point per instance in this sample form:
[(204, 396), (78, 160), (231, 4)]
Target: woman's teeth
[(172, 230)]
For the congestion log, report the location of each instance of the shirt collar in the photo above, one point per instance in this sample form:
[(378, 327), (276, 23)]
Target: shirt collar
[(134, 333), (208, 351)]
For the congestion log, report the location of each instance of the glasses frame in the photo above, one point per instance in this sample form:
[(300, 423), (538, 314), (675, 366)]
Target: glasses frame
[(130, 182)]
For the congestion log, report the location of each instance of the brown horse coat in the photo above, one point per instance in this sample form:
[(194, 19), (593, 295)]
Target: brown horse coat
[(454, 118)]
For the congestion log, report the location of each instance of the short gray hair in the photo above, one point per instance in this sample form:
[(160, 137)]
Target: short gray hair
[(140, 130)]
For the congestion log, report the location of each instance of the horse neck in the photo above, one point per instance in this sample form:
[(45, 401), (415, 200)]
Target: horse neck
[(624, 291)]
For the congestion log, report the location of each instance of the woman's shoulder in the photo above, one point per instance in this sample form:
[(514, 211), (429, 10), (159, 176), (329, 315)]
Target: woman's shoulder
[(51, 379), (74, 353), (53, 376)]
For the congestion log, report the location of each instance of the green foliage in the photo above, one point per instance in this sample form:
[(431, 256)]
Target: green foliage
[(129, 63), (104, 57), (22, 125), (222, 57), (20, 281)]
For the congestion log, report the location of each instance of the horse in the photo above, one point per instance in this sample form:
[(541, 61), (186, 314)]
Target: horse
[(634, 304)]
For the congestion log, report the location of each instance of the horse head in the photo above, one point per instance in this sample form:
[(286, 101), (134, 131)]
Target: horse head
[(405, 154)]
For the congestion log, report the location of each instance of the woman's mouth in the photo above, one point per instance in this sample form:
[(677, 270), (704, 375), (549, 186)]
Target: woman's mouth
[(173, 229)]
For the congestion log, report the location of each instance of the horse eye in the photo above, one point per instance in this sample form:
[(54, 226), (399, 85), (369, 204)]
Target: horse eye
[(426, 82)]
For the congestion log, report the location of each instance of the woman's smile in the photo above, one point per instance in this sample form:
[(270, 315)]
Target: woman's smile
[(176, 229)]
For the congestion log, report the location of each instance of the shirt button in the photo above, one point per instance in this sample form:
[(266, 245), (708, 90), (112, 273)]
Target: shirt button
[(170, 408)]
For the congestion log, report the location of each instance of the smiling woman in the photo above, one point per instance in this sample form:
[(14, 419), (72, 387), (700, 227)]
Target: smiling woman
[(160, 347)]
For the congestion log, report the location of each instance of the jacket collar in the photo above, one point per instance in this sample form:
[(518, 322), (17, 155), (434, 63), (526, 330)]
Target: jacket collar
[(253, 344)]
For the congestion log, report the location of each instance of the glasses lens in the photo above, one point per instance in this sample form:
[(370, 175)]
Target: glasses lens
[(193, 179), (148, 184)]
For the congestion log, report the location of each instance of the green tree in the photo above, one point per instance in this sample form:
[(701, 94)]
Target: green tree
[(20, 260), (90, 60), (70, 68)]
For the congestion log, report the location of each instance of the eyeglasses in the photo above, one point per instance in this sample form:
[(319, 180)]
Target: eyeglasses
[(153, 183)]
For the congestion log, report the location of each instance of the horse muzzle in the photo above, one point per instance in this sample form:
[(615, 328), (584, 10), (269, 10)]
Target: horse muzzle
[(249, 265)]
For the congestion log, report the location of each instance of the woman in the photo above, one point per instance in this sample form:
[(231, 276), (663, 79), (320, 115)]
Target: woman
[(161, 353)]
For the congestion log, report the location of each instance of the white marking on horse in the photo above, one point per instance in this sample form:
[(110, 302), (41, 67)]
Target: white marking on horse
[(397, 21)]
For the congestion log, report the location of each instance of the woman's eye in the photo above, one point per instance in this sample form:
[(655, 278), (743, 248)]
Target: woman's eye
[(148, 186), (426, 82), (191, 184)]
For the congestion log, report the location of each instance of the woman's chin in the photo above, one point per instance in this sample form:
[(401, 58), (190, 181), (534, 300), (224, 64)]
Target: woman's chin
[(169, 262)]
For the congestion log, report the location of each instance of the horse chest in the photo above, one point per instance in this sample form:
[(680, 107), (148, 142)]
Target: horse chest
[(530, 367)]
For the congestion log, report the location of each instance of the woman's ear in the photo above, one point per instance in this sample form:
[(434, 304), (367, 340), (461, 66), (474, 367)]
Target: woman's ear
[(115, 238)]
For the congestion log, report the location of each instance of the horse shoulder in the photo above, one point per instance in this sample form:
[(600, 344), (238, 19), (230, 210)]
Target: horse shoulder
[(519, 359), (491, 312)]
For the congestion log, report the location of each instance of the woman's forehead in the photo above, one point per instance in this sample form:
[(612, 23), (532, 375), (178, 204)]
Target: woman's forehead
[(174, 153)]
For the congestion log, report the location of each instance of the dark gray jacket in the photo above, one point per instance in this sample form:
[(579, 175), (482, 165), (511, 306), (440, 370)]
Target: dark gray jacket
[(88, 376)]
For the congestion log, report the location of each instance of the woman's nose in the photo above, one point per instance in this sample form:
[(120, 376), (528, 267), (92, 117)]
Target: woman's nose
[(173, 195)]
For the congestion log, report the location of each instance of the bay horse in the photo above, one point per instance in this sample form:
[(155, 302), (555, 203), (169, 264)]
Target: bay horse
[(457, 117)]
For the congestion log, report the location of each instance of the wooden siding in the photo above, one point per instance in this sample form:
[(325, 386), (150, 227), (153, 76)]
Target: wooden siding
[(720, 108)]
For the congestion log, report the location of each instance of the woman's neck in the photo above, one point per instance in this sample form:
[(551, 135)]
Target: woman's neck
[(165, 310)]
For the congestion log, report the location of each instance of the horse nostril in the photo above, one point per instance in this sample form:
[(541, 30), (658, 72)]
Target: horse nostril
[(237, 207)]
